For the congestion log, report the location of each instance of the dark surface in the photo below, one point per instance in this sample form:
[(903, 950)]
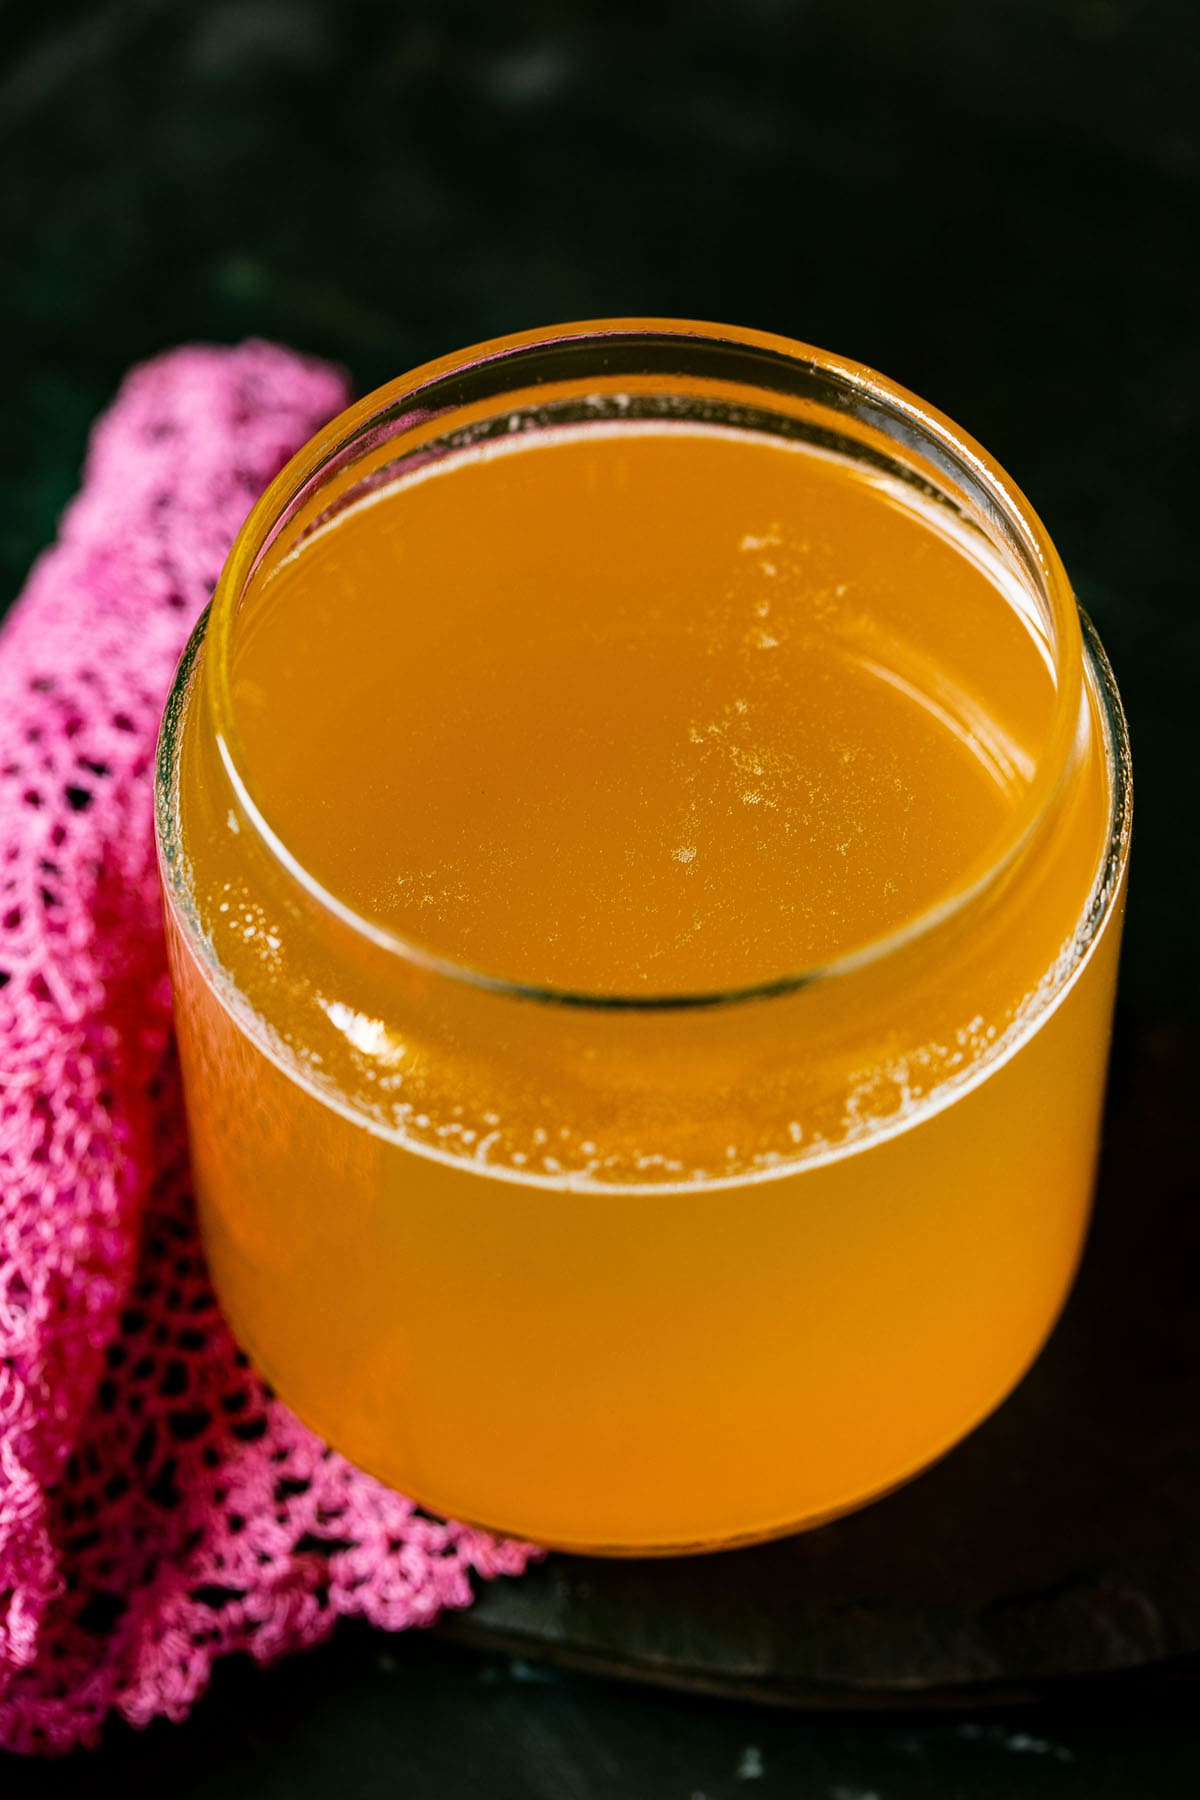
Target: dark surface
[(410, 1719), (995, 203)]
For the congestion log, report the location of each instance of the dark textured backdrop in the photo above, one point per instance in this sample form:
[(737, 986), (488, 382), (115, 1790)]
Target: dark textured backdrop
[(989, 200), (993, 201)]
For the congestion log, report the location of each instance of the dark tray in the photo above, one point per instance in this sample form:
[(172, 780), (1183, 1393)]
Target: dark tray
[(1061, 1539)]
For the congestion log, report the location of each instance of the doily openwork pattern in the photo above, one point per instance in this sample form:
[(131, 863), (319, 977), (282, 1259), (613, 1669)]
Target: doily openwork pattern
[(158, 1507)]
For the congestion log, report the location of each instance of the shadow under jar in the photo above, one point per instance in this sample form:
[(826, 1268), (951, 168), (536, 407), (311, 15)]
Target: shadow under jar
[(643, 827)]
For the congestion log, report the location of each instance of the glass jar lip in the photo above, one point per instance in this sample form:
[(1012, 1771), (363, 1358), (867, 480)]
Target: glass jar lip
[(405, 392)]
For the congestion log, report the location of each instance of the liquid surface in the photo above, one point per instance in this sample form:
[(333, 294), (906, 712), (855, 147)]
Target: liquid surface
[(648, 710)]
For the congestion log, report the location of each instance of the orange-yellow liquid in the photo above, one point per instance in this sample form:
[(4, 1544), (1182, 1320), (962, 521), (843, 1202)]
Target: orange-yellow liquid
[(639, 712)]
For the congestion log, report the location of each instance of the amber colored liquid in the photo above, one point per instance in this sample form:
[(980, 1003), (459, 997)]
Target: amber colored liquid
[(638, 712), (624, 713)]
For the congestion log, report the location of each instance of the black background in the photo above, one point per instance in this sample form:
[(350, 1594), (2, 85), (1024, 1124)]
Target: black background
[(993, 201)]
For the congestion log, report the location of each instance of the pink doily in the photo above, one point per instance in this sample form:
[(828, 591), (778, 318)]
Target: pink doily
[(158, 1508)]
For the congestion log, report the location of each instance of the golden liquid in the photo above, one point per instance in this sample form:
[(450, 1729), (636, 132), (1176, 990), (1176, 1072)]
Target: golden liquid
[(640, 712), (653, 710)]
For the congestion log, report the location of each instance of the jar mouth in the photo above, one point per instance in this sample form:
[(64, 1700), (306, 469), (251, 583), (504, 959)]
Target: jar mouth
[(779, 373)]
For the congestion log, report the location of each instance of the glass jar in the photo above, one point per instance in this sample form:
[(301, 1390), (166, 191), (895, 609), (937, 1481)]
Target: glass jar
[(646, 1272)]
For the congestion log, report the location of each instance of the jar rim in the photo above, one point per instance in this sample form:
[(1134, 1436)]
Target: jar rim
[(859, 385)]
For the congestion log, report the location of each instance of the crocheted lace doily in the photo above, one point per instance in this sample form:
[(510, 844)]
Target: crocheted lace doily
[(158, 1507)]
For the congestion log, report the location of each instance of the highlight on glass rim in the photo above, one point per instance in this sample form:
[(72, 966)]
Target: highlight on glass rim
[(643, 827)]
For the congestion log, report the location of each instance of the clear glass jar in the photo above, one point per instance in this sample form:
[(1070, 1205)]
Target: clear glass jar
[(640, 1272)]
